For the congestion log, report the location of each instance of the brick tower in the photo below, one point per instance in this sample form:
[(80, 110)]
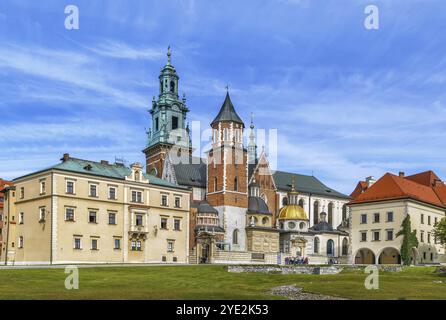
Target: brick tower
[(227, 174)]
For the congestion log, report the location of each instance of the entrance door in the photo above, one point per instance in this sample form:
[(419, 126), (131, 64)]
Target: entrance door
[(204, 253)]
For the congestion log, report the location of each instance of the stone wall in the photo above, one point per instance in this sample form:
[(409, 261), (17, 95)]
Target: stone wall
[(286, 269), (243, 257)]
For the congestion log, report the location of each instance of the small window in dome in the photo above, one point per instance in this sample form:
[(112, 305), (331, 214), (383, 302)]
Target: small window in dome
[(302, 225), (291, 225)]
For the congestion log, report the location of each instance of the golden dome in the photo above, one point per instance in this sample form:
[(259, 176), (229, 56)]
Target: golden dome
[(292, 212)]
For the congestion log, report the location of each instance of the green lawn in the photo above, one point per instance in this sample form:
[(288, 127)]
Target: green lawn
[(211, 282)]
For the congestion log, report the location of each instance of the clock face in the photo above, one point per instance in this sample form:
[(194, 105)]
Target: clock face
[(175, 107)]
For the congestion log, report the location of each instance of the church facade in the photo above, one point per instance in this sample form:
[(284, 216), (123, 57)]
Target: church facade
[(241, 210)]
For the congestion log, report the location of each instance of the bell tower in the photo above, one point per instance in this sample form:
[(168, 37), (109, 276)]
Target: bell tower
[(227, 175), (227, 160), (169, 131)]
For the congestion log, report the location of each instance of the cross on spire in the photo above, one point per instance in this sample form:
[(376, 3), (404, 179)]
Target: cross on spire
[(169, 54)]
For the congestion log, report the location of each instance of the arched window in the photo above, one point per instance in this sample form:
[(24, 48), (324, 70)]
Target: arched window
[(161, 86), (225, 134), (330, 247), (235, 237), (215, 184), (265, 220), (316, 212), (344, 212), (235, 184), (345, 247), (172, 86), (316, 245), (301, 203), (284, 201), (330, 214)]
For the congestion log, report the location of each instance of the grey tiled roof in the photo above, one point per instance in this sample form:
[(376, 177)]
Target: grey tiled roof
[(305, 184), (227, 112), (191, 175), (116, 171)]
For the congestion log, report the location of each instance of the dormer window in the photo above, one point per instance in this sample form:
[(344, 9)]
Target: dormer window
[(88, 167)]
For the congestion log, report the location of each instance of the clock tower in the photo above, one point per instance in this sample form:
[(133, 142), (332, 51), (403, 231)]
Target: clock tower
[(169, 132)]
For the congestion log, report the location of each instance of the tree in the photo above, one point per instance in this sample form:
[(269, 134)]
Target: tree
[(440, 231), (409, 241)]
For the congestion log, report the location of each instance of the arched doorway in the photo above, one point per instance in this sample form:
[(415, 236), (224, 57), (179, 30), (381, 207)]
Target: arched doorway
[(330, 248), (365, 256), (389, 256), (345, 247)]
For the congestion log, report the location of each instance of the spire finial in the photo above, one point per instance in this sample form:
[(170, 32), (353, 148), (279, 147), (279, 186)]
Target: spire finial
[(227, 88), (293, 184), (169, 54), (252, 121)]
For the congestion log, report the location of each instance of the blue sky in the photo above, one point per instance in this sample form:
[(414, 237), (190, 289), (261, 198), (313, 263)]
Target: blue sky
[(347, 102)]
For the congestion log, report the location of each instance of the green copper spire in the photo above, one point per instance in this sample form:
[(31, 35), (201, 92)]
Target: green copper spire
[(168, 111)]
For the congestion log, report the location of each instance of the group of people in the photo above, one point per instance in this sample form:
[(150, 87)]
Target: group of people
[(296, 260)]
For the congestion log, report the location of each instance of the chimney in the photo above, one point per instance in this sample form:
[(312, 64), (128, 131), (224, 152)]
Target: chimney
[(370, 180), (66, 157), (401, 174), (104, 162)]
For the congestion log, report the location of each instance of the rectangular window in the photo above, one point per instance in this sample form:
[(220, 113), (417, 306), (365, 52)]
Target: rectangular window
[(170, 246), (22, 192), (363, 236), (435, 220), (138, 220), (94, 244), (429, 220), (42, 214), (164, 223), (77, 243), (70, 187), (376, 235), (363, 218), (92, 217), (20, 242), (164, 200), (428, 238), (112, 218), (112, 193), (69, 214), (421, 236), (137, 196), (376, 217), (117, 244), (177, 224), (174, 122), (93, 190), (21, 218), (136, 245), (390, 216), (177, 202), (422, 218), (42, 187), (156, 124), (389, 235)]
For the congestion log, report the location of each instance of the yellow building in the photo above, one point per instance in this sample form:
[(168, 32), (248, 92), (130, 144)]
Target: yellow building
[(378, 212), (82, 211)]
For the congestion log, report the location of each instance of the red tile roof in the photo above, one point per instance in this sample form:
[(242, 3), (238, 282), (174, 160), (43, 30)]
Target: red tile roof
[(3, 184), (360, 188), (415, 187)]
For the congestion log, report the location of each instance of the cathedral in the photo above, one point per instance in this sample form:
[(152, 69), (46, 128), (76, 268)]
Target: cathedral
[(241, 210)]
